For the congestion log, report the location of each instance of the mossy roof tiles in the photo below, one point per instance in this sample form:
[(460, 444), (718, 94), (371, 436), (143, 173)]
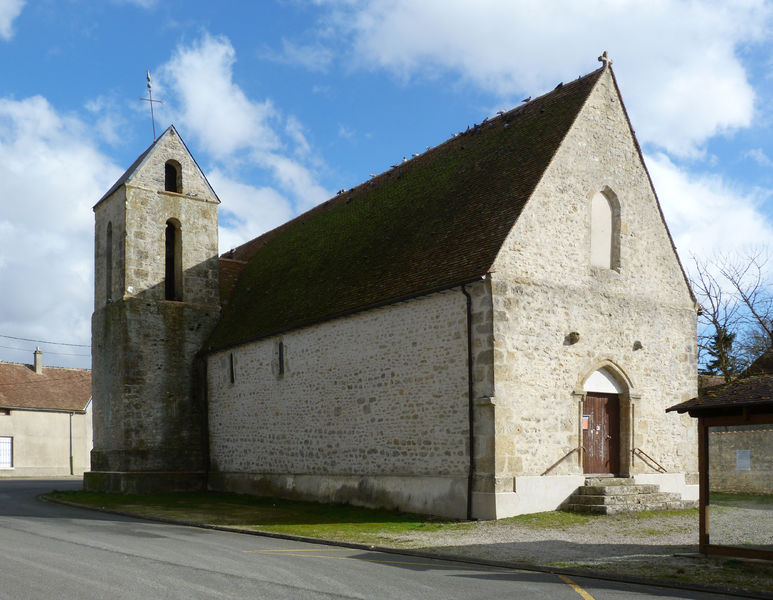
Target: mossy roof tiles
[(753, 390), (428, 224)]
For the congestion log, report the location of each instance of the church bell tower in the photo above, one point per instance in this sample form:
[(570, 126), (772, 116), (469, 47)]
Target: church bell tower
[(156, 300)]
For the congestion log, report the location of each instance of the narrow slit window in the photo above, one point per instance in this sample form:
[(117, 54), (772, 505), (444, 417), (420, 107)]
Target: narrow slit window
[(605, 231), (173, 177), (173, 265), (109, 263), (231, 374), (281, 351)]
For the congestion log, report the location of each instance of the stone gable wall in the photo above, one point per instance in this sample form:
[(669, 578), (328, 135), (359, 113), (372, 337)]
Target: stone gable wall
[(380, 393), (544, 288), (150, 175)]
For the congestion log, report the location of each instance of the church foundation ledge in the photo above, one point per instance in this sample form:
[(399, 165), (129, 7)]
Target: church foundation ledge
[(440, 496), (144, 482), (533, 493)]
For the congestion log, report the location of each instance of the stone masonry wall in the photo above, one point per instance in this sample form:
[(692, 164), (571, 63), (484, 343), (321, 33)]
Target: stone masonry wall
[(544, 288), (729, 472), (379, 393), (149, 411)]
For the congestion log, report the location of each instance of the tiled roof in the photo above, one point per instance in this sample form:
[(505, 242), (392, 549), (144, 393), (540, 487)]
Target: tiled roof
[(753, 390), (427, 224), (54, 389)]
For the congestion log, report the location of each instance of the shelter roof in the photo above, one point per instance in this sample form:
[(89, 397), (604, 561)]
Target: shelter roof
[(752, 391)]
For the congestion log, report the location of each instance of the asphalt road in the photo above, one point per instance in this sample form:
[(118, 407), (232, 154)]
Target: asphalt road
[(50, 551)]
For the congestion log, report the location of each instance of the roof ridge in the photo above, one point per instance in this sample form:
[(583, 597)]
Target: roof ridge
[(428, 224), (375, 179)]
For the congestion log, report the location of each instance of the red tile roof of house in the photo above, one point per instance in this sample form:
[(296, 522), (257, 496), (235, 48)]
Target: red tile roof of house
[(56, 388)]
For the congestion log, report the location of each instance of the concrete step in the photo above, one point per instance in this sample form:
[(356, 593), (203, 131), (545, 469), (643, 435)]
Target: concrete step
[(607, 499), (608, 481), (631, 488), (614, 509)]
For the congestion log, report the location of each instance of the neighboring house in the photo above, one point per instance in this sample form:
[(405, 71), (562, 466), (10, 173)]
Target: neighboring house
[(45, 420), (468, 334)]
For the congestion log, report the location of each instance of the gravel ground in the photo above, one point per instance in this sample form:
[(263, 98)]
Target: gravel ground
[(599, 539), (659, 546)]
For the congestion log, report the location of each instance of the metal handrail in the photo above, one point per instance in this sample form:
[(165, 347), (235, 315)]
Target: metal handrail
[(643, 455), (562, 459)]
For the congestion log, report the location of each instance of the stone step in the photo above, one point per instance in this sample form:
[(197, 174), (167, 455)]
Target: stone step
[(609, 499), (608, 481), (631, 488), (613, 509)]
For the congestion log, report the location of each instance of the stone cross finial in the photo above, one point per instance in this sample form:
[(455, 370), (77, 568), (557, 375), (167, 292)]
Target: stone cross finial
[(605, 59)]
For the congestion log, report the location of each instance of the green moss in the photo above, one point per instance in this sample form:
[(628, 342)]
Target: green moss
[(552, 520), (429, 224), (330, 521)]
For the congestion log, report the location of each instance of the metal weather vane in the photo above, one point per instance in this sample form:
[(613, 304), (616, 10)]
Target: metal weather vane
[(150, 100)]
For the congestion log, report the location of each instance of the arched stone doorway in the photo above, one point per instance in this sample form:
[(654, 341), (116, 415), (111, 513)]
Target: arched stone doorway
[(600, 423)]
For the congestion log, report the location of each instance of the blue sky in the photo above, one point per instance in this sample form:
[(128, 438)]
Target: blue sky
[(284, 102)]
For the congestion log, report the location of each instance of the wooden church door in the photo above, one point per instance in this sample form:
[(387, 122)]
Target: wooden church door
[(601, 433)]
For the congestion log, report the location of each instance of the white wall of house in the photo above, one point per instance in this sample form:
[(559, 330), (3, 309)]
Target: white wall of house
[(40, 442)]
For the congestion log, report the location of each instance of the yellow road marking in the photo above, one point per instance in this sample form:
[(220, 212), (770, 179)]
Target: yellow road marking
[(583, 594)]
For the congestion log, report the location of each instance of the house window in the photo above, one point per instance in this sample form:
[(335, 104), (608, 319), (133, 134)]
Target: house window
[(6, 453), (605, 230), (173, 261), (173, 181), (109, 263)]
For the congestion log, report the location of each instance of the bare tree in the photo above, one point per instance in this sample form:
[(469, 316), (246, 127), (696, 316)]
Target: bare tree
[(746, 273), (719, 315), (736, 318)]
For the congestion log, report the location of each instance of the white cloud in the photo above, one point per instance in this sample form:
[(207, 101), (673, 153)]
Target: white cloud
[(247, 211), (314, 57), (344, 132), (241, 133), (9, 10), (676, 61), (707, 215), (758, 155), (52, 174), (212, 106)]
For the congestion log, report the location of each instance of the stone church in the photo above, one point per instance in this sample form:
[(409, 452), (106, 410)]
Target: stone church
[(469, 334)]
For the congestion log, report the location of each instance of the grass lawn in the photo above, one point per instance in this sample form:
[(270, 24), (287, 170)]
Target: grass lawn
[(741, 499), (311, 519)]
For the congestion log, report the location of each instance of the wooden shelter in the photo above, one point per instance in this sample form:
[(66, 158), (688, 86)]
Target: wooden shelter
[(735, 462)]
